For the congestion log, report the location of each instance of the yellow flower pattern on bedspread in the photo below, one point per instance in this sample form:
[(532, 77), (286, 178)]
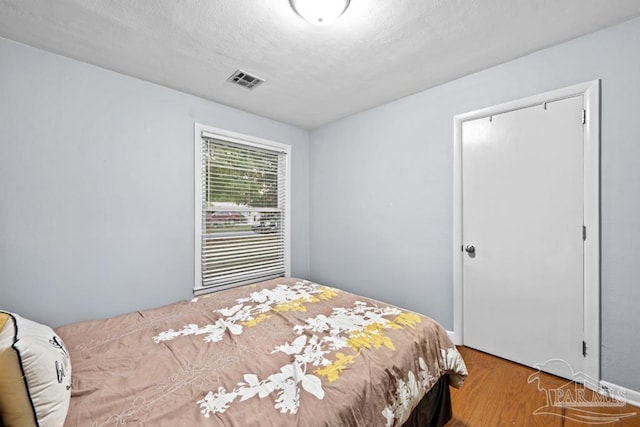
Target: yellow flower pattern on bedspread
[(279, 352), (346, 328)]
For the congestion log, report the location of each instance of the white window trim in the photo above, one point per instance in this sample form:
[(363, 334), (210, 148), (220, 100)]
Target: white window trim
[(250, 141)]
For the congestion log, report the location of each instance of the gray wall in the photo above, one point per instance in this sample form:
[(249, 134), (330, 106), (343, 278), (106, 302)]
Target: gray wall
[(381, 187), (96, 187)]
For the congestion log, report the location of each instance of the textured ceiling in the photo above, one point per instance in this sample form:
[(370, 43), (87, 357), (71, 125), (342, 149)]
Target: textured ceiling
[(378, 51)]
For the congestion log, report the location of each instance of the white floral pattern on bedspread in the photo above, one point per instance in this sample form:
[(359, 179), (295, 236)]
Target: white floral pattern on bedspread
[(344, 334), (280, 352), (279, 299), (410, 391)]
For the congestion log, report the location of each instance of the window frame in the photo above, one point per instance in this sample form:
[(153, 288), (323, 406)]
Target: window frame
[(246, 141)]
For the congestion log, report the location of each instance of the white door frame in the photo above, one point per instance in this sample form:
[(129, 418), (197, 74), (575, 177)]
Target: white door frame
[(591, 93)]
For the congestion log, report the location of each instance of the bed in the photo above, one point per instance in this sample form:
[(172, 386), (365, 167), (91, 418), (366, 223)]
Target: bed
[(276, 353)]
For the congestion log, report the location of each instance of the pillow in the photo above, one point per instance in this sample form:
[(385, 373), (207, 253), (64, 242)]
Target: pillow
[(35, 374)]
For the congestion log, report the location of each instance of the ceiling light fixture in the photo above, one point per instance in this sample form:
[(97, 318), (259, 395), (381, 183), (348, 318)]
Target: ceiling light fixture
[(319, 12)]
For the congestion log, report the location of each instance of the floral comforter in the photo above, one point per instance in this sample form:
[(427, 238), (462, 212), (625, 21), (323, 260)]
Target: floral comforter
[(281, 352)]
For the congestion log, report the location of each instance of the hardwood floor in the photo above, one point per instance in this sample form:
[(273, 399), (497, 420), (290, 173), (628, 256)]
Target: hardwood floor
[(497, 393)]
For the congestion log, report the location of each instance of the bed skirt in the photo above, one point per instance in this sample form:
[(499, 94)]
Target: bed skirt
[(434, 410)]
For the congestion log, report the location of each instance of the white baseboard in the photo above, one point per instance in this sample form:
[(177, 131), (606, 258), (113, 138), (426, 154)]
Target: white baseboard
[(632, 397)]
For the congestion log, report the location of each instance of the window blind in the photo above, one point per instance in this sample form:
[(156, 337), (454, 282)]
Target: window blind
[(243, 208)]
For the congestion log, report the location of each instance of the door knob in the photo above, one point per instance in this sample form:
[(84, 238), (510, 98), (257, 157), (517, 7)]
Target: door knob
[(470, 249)]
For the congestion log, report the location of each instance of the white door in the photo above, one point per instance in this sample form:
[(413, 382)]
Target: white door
[(522, 211)]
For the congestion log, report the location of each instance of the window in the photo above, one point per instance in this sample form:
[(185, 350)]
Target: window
[(242, 193)]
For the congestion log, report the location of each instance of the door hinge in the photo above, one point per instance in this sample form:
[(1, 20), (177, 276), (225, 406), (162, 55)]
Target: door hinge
[(584, 232), (584, 116), (584, 349)]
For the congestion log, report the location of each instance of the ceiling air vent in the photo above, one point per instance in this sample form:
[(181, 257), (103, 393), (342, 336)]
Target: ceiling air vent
[(244, 79)]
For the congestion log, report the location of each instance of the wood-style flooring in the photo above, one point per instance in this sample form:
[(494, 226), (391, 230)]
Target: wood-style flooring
[(497, 393)]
